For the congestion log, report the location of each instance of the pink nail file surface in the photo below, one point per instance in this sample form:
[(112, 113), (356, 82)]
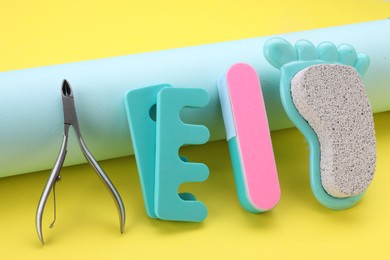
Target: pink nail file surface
[(253, 136)]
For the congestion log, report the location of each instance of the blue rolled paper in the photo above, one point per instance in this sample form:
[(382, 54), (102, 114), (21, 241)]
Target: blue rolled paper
[(31, 116)]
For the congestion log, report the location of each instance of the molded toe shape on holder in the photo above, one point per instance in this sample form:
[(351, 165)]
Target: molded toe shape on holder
[(249, 139), (323, 95)]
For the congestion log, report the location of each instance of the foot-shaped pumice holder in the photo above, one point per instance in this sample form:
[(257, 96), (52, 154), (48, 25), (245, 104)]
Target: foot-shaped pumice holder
[(323, 94)]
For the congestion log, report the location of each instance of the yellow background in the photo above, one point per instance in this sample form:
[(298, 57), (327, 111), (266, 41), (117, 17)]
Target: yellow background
[(36, 33)]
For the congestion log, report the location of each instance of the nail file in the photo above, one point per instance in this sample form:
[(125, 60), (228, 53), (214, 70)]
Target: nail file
[(249, 139)]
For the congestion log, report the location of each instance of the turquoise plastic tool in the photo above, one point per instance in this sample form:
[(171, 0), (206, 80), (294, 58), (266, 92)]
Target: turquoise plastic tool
[(282, 55), (157, 138), (171, 170), (140, 108)]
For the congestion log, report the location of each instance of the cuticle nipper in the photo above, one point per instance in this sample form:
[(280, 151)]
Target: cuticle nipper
[(70, 119)]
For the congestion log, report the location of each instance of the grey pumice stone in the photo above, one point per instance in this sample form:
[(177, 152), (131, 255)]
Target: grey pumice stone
[(332, 99)]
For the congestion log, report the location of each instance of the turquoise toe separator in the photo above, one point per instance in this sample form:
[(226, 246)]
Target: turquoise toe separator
[(139, 103), (152, 136), (288, 71), (171, 170)]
